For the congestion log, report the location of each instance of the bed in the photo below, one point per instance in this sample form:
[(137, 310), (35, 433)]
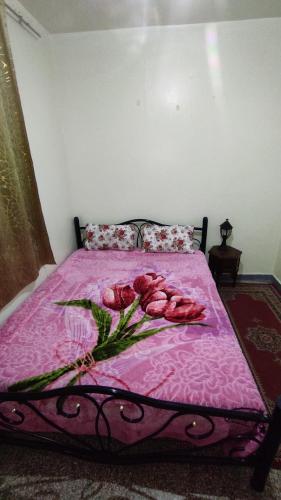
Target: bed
[(84, 375)]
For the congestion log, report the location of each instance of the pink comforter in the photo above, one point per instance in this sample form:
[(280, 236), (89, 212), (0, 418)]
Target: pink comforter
[(201, 365)]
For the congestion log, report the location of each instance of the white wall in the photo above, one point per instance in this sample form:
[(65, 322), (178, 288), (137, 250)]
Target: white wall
[(170, 123), (35, 83), (175, 123)]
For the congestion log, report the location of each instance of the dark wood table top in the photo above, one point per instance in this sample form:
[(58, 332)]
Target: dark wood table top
[(225, 252)]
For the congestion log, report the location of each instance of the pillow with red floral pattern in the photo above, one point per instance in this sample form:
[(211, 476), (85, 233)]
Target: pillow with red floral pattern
[(110, 237), (167, 238)]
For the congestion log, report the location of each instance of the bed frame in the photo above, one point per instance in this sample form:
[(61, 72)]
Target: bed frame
[(139, 224), (68, 402)]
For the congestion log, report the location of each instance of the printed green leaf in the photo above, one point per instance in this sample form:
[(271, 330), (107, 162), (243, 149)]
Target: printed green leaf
[(123, 322), (133, 327), (87, 304), (102, 317), (75, 379), (103, 321), (39, 382), (111, 349), (131, 312)]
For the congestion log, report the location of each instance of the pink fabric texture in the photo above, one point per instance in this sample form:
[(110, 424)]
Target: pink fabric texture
[(187, 364)]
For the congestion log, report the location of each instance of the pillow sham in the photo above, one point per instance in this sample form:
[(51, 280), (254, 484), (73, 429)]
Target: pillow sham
[(167, 238), (110, 237)]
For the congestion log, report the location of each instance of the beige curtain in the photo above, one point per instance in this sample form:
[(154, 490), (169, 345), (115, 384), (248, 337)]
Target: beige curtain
[(24, 243)]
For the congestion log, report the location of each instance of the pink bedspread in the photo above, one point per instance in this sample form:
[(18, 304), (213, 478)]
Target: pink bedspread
[(201, 365)]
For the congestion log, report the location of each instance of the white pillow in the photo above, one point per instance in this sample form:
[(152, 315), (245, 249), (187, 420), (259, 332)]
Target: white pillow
[(110, 237), (167, 238)]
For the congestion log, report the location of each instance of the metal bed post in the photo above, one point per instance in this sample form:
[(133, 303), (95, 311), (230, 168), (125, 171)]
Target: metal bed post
[(268, 449), (204, 234), (78, 232)]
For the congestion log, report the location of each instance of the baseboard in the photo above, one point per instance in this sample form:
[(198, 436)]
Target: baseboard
[(255, 278), (277, 282)]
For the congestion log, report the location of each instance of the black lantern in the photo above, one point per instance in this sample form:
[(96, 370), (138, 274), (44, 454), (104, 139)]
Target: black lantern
[(225, 229)]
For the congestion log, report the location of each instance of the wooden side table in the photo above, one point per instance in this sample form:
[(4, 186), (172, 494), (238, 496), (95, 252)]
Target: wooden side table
[(224, 260)]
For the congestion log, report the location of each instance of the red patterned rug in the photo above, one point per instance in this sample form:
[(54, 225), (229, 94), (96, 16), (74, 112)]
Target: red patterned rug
[(255, 313)]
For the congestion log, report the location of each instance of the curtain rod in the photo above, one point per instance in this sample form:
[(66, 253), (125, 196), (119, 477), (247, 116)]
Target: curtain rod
[(21, 20)]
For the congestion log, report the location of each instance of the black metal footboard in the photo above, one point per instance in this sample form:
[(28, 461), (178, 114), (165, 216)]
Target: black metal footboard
[(54, 409)]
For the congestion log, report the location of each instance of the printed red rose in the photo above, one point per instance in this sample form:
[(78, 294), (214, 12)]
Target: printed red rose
[(120, 234), (155, 303), (149, 281), (179, 243), (163, 234), (89, 235), (118, 297), (181, 310), (171, 292), (146, 245)]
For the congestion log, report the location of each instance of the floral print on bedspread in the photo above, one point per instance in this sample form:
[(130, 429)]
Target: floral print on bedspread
[(189, 363)]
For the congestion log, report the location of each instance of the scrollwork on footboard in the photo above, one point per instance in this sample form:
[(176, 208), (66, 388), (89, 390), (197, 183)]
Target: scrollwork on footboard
[(52, 419), (11, 421)]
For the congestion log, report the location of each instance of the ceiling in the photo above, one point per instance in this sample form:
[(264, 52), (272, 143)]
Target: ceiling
[(64, 16)]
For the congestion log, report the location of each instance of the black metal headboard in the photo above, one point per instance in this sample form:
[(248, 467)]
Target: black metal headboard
[(139, 223)]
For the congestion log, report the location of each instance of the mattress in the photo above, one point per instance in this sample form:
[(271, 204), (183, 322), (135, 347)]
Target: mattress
[(192, 356)]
